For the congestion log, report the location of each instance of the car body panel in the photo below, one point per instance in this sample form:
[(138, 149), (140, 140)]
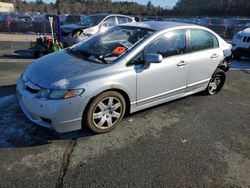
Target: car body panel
[(171, 82), (203, 65)]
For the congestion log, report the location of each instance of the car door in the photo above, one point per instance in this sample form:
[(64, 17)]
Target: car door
[(157, 83), (205, 55)]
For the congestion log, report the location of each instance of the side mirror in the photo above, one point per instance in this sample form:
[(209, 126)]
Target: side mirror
[(153, 58)]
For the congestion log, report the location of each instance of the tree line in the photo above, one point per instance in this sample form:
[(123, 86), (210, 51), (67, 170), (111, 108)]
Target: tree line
[(182, 8), (213, 7)]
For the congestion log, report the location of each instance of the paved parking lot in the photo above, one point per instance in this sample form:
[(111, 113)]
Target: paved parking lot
[(197, 141)]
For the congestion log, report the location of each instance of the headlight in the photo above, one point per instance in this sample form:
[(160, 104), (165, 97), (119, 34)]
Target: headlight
[(238, 36), (59, 94)]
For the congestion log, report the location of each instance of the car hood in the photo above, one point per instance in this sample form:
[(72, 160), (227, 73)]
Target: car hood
[(60, 71)]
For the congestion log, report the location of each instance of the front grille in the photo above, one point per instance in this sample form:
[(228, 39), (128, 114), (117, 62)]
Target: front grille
[(246, 39), (31, 90), (46, 120)]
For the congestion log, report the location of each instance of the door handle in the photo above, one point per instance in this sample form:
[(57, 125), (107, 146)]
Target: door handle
[(182, 63), (214, 56)]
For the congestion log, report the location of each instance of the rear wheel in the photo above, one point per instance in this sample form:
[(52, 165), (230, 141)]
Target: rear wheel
[(216, 83), (105, 112)]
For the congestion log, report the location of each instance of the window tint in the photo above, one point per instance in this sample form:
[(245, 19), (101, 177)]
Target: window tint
[(216, 42), (170, 44), (130, 19), (111, 21), (202, 40), (122, 20)]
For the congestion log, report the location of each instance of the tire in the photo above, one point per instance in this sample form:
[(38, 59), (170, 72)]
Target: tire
[(216, 82), (236, 57), (105, 112)]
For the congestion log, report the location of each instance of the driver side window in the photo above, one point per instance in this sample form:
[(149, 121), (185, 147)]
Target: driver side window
[(170, 44)]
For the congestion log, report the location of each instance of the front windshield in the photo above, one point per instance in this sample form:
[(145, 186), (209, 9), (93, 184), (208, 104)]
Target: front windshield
[(108, 46), (90, 21)]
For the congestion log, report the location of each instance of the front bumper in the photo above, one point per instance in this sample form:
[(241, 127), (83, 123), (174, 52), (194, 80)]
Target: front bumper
[(240, 51), (62, 115)]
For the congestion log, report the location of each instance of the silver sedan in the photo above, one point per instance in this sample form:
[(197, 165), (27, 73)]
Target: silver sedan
[(123, 70)]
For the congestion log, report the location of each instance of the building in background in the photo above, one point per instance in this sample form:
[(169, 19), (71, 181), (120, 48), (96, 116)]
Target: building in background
[(6, 7)]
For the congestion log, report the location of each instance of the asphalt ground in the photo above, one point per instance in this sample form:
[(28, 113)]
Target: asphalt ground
[(196, 141)]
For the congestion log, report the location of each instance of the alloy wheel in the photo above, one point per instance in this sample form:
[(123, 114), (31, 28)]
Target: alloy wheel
[(107, 113)]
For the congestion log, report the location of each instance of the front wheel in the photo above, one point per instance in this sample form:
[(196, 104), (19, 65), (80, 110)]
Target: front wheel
[(105, 112), (216, 83)]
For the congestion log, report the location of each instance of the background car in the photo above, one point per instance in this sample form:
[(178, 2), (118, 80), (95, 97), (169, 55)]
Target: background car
[(24, 24), (6, 22), (90, 25), (241, 44), (73, 19)]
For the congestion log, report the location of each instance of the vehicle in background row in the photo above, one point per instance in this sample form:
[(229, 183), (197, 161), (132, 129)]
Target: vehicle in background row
[(241, 24), (73, 19), (217, 25), (124, 69), (6, 22), (42, 25), (241, 44), (24, 24), (91, 25)]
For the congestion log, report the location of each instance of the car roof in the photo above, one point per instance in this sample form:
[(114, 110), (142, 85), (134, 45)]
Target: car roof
[(108, 14), (157, 25)]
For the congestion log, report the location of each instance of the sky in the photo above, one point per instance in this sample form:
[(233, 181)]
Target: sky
[(163, 3)]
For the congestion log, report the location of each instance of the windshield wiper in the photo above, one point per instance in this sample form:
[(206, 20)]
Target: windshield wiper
[(87, 55)]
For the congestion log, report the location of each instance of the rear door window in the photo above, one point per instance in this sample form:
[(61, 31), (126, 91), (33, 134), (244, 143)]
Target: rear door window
[(110, 22), (121, 19), (202, 40), (130, 19)]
